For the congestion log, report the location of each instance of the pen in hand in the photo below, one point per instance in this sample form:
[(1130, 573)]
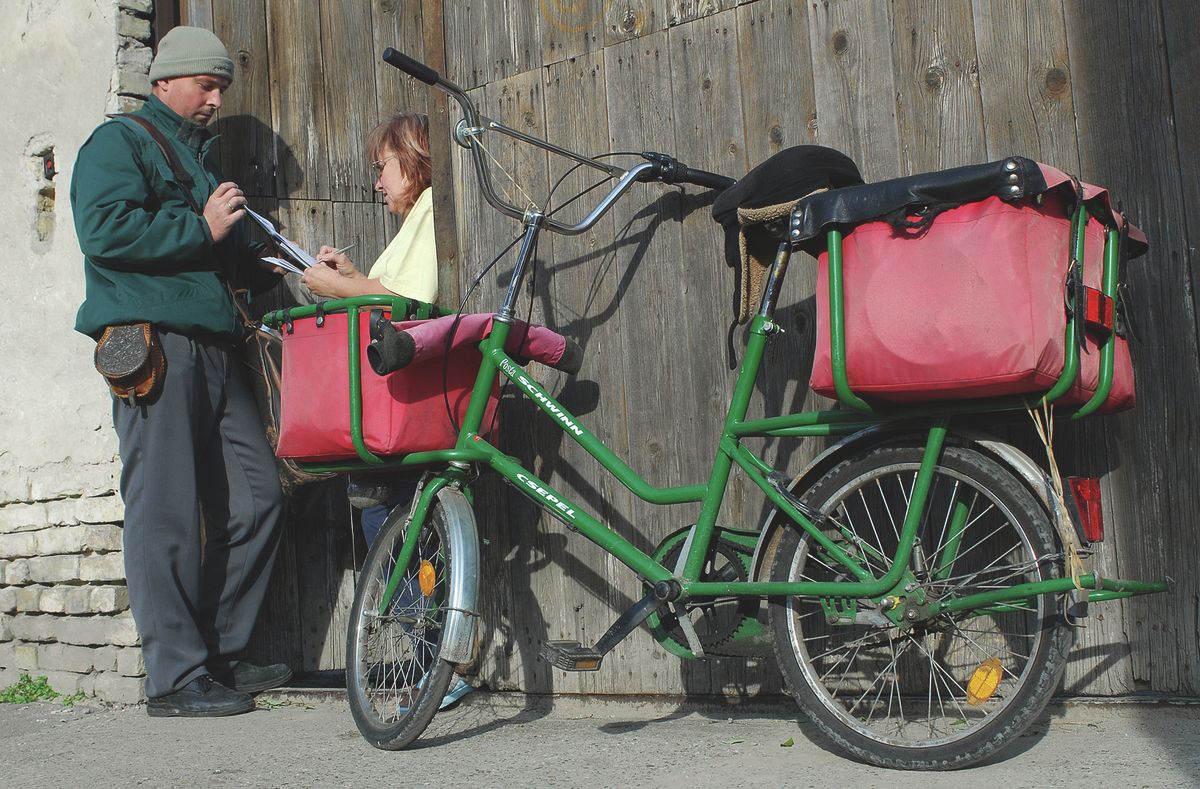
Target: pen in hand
[(346, 248)]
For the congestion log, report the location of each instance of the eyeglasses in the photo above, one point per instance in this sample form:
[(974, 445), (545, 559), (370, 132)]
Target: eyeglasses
[(379, 166)]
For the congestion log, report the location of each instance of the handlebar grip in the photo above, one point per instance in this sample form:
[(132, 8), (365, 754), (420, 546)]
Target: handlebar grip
[(411, 67), (706, 179)]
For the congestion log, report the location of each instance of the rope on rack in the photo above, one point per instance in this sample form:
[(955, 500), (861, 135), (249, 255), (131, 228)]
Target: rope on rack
[(1043, 422)]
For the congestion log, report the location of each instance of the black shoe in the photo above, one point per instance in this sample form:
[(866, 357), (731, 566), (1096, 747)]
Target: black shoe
[(200, 698), (249, 678)]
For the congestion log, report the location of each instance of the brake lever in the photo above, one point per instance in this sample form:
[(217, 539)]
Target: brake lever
[(666, 168)]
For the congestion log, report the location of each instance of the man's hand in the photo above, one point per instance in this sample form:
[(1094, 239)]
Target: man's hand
[(224, 209)]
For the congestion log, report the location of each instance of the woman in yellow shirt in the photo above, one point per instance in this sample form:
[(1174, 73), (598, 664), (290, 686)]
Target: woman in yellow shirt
[(399, 149)]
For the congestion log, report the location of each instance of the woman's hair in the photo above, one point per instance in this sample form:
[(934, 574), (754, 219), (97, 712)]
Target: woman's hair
[(407, 135)]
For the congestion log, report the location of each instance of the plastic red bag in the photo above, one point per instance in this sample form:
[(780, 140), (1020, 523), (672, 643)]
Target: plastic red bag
[(402, 412), (972, 307)]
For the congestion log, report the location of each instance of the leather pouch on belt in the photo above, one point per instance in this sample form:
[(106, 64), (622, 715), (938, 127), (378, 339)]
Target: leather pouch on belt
[(131, 360)]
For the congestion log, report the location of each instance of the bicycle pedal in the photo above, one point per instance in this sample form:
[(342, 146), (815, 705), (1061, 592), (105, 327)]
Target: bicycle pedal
[(571, 656)]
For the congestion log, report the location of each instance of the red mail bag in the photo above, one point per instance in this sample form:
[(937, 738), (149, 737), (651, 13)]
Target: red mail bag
[(971, 304), (402, 412)]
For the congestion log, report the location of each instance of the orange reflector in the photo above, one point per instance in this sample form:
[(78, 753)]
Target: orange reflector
[(427, 577), (984, 681)]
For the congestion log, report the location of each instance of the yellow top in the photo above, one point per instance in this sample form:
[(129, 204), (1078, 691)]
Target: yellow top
[(408, 266)]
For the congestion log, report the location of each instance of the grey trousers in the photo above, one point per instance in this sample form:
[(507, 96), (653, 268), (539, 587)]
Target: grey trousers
[(199, 448)]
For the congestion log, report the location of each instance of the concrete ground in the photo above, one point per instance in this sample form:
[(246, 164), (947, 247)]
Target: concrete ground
[(309, 740)]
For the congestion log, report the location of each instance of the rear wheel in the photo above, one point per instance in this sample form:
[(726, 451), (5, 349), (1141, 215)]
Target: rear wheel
[(395, 677), (922, 696)]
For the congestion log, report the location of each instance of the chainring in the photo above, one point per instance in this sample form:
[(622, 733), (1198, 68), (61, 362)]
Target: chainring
[(716, 621)]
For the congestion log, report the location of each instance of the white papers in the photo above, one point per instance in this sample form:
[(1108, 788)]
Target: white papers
[(300, 259), (286, 265)]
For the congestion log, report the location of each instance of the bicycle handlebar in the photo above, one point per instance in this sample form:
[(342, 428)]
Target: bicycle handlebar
[(670, 170), (657, 167), (413, 68)]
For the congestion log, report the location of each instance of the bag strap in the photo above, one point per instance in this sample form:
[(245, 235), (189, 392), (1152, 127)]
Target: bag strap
[(182, 176), (168, 152)]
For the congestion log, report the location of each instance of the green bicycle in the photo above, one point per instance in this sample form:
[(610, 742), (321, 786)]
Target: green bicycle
[(916, 583)]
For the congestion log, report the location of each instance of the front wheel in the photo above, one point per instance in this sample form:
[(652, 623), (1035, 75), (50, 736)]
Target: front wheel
[(395, 676), (953, 689)]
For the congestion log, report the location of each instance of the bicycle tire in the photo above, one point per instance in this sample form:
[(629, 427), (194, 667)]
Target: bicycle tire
[(840, 686), (395, 675)]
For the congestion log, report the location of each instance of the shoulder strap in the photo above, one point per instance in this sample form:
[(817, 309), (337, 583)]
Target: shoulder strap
[(184, 179), (181, 175)]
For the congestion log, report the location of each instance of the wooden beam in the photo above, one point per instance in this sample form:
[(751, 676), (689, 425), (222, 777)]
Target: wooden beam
[(444, 220)]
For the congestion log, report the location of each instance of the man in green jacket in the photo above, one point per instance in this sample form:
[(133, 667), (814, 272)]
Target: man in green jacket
[(195, 451)]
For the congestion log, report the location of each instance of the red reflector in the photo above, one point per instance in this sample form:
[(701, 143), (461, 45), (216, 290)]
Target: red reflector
[(1086, 491)]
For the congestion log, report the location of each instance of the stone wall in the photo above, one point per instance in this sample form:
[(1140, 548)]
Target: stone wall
[(64, 608)]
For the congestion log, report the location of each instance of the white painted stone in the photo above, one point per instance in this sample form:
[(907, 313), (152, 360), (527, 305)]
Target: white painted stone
[(95, 630), (113, 687), (133, 27), (104, 658), (134, 54), (25, 656), (129, 662), (104, 567), (23, 517), (136, 6), (107, 599), (68, 479), (77, 601), (102, 538), (14, 546), (100, 509), (63, 657), (8, 599), (68, 683), (16, 573), (29, 598), (33, 627), (52, 569), (132, 82)]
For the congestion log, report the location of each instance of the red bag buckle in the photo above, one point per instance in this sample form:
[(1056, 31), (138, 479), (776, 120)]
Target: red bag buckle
[(1100, 311)]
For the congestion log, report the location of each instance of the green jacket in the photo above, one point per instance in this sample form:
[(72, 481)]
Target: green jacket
[(147, 255)]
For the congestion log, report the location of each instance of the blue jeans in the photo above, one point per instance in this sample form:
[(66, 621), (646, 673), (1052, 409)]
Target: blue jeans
[(373, 517)]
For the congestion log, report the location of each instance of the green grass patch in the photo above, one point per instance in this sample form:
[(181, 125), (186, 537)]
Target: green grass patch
[(27, 689)]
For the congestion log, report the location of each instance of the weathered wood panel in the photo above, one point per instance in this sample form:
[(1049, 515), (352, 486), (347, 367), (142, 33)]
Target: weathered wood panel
[(399, 24), (1151, 481), (586, 277), (855, 84), (901, 87), (648, 255), (298, 99), (937, 91), (248, 150), (571, 28), (1025, 82), (779, 107), (1028, 110), (349, 95)]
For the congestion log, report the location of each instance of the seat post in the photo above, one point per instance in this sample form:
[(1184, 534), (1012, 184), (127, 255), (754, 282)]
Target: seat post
[(775, 281)]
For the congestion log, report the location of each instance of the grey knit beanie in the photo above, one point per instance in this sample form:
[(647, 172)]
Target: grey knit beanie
[(186, 51)]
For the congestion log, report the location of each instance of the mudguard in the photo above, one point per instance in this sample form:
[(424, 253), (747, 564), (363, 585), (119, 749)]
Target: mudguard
[(458, 640), (1027, 471)]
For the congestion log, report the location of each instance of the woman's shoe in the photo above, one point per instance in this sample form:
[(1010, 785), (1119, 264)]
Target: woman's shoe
[(458, 688)]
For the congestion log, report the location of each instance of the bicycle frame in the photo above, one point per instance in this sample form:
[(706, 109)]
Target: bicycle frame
[(472, 449)]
